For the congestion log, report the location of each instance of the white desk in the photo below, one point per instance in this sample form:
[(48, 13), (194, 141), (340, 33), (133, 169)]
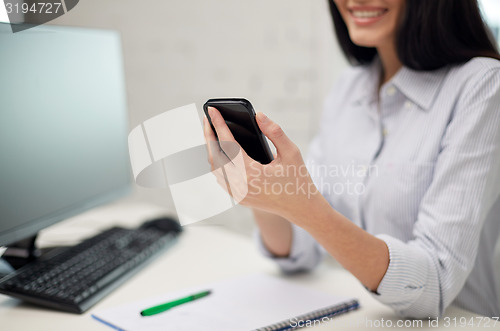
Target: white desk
[(203, 254)]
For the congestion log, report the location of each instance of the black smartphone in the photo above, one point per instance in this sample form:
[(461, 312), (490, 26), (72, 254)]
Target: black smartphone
[(240, 118)]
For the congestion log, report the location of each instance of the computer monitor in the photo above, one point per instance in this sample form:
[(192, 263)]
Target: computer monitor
[(63, 126)]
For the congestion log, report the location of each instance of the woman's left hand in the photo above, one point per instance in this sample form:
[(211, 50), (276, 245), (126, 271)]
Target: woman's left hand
[(282, 187)]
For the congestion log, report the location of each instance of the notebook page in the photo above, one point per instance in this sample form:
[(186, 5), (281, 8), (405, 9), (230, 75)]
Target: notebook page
[(244, 303)]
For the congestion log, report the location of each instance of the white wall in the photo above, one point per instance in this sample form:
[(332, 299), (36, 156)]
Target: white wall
[(279, 54), (491, 12)]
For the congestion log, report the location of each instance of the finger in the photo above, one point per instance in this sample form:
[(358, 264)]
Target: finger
[(220, 125), (210, 139), (230, 147), (274, 132), (221, 179), (209, 133)]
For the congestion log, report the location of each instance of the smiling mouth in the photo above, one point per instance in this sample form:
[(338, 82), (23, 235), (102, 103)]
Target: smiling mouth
[(366, 16), (367, 13)]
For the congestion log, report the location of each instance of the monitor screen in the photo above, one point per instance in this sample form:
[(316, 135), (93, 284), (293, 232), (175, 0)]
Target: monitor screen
[(63, 126)]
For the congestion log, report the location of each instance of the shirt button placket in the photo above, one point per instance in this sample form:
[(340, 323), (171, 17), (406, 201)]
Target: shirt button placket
[(391, 90)]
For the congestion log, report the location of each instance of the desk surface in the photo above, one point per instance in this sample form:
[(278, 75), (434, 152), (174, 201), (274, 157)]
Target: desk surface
[(204, 253)]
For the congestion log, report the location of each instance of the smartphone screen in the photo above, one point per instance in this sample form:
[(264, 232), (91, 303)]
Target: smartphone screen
[(240, 118)]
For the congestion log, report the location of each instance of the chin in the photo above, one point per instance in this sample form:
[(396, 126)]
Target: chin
[(365, 41)]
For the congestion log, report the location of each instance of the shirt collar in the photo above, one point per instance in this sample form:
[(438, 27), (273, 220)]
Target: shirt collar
[(421, 87)]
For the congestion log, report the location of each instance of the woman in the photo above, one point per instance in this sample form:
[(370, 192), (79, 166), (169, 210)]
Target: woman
[(406, 165)]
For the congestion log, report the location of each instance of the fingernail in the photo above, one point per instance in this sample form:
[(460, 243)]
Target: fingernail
[(262, 117), (211, 111)]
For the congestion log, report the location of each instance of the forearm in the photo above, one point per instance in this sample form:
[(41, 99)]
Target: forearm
[(275, 231), (364, 255)]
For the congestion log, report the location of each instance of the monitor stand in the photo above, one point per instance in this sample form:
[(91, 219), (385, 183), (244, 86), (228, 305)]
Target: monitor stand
[(22, 252)]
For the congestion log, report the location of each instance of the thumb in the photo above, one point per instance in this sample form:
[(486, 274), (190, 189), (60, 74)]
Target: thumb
[(275, 133)]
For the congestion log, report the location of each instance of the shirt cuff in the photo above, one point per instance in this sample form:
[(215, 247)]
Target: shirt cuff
[(406, 277), (305, 253)]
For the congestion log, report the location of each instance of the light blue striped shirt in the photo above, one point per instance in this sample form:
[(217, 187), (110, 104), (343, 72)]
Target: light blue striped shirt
[(418, 165)]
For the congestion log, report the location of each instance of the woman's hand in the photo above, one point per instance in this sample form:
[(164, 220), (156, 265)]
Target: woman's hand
[(282, 187)]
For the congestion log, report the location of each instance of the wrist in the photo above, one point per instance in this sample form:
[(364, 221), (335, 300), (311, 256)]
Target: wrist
[(308, 211)]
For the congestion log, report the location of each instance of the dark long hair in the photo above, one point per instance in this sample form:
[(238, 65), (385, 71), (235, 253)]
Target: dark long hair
[(432, 34)]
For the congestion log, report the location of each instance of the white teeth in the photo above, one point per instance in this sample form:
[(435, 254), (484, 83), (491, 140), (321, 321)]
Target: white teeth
[(367, 14)]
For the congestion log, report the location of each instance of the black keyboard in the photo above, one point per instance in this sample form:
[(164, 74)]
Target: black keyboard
[(76, 278)]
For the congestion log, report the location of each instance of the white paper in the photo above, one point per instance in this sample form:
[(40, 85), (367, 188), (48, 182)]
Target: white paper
[(244, 303)]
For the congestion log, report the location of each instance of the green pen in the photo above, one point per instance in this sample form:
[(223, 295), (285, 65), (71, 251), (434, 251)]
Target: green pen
[(166, 306)]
